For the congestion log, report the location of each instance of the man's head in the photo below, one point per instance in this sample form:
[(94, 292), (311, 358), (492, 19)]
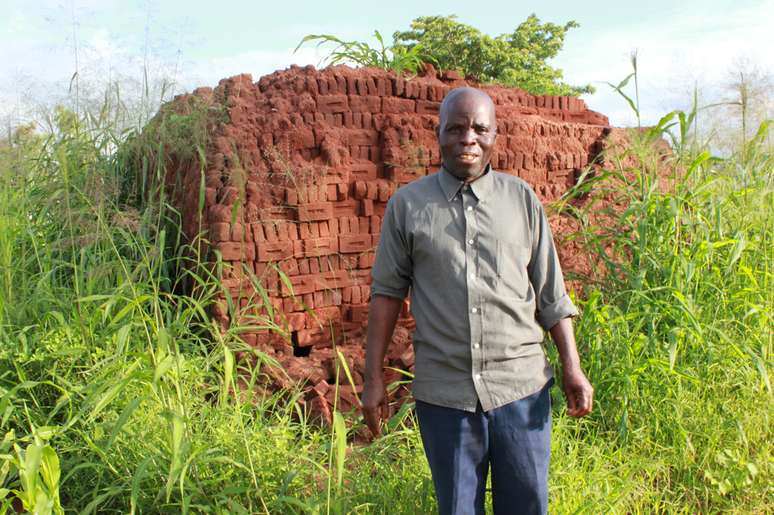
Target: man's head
[(466, 132)]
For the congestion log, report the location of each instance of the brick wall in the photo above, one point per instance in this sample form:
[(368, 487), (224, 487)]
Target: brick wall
[(297, 179)]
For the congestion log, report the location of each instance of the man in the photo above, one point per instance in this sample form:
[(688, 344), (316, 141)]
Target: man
[(475, 248)]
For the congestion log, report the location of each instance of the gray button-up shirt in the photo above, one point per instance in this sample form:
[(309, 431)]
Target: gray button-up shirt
[(485, 283)]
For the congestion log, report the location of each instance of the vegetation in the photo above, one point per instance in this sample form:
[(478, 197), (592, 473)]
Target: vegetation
[(518, 59), (117, 393)]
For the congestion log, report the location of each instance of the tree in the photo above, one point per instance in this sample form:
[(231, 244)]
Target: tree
[(517, 59)]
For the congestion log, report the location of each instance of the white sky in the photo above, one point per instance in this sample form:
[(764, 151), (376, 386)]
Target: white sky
[(678, 44)]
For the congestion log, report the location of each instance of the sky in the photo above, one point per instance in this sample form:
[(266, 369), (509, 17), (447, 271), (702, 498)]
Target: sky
[(679, 44)]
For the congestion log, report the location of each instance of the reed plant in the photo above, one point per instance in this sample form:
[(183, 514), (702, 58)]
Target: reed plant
[(118, 394)]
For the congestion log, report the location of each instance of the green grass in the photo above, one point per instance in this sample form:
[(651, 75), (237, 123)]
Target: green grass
[(117, 394)]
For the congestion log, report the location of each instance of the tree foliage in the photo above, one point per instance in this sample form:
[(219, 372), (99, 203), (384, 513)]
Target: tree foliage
[(517, 59)]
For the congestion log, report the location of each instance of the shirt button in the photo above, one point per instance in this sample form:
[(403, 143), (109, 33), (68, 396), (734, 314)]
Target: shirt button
[(472, 276), (478, 376), (474, 310), (476, 346), (470, 242), (470, 208)]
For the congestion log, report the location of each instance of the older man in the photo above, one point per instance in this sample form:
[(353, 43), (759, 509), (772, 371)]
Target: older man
[(474, 247)]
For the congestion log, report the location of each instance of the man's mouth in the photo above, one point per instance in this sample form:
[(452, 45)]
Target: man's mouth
[(467, 156)]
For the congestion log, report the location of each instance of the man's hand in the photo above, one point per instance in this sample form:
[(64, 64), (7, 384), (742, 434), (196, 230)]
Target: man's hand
[(578, 392), (373, 401)]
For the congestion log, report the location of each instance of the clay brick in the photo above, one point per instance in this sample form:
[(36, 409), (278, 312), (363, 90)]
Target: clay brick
[(351, 243), (236, 251), (333, 279), (357, 313), (314, 265), (220, 231), (321, 246), (427, 107), (359, 190), (398, 86), (302, 138), (363, 171), (402, 175), (300, 285), (367, 207), (323, 229), (346, 208), (362, 137), (393, 105), (332, 104), (274, 251), (372, 191), (331, 193), (358, 104), (316, 211)]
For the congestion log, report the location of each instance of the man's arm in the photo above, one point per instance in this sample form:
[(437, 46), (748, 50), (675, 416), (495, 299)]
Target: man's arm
[(577, 389), (382, 315)]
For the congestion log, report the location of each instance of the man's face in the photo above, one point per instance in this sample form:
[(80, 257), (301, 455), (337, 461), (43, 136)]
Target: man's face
[(466, 134)]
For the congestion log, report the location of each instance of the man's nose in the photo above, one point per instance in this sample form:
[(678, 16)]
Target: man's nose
[(468, 137)]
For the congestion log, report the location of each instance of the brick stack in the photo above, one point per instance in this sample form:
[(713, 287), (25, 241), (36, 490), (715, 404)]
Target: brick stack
[(296, 180)]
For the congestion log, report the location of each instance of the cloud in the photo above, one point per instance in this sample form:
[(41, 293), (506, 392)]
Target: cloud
[(686, 49)]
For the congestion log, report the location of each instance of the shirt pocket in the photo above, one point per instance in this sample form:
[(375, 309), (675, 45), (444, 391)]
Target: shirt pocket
[(512, 276)]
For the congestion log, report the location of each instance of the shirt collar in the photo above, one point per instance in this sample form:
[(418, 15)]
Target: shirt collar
[(481, 187)]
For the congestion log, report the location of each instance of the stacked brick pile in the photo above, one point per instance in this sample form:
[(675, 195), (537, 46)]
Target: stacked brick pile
[(297, 177)]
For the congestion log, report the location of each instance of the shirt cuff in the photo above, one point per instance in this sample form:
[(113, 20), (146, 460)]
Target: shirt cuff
[(388, 291), (550, 315)]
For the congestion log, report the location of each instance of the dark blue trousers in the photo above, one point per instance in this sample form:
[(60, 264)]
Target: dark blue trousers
[(515, 440)]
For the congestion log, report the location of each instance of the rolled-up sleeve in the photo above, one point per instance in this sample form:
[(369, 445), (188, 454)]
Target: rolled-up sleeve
[(545, 273), (392, 269)]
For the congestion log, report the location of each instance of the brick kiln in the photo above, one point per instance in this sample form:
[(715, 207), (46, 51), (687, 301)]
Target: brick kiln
[(298, 173)]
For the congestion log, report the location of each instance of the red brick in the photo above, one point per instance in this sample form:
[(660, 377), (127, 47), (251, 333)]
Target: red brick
[(372, 190), (316, 211), (393, 105), (333, 226), (341, 191), (362, 137), (359, 190), (332, 103), (352, 243), (358, 104), (331, 193), (333, 279), (357, 313), (300, 285), (236, 251), (296, 321), (363, 171), (345, 208), (320, 246), (220, 231), (364, 224), (427, 107), (367, 207), (398, 86), (274, 251), (361, 277)]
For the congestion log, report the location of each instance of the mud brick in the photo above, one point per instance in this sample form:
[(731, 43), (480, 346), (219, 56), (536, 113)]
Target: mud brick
[(364, 224), (394, 105), (296, 321), (303, 266), (308, 337), (291, 197), (322, 86), (372, 191), (360, 277), (332, 104), (348, 262), (363, 261), (292, 228), (274, 251), (302, 138), (359, 190), (236, 251), (351, 85), (318, 300), (220, 231), (342, 192), (528, 162), (401, 175), (338, 175), (362, 171), (331, 194), (289, 266), (303, 231), (367, 207), (320, 246), (362, 88), (344, 227), (348, 120), (316, 211), (398, 86), (333, 226), (333, 87), (346, 295), (352, 243), (375, 224), (357, 313), (358, 104), (333, 279), (362, 137), (345, 208), (427, 107), (298, 249), (269, 232), (381, 86), (300, 285), (357, 120), (308, 301), (355, 294), (323, 229), (383, 191), (367, 121)]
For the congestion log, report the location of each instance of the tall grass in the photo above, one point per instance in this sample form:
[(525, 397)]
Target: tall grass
[(117, 393)]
